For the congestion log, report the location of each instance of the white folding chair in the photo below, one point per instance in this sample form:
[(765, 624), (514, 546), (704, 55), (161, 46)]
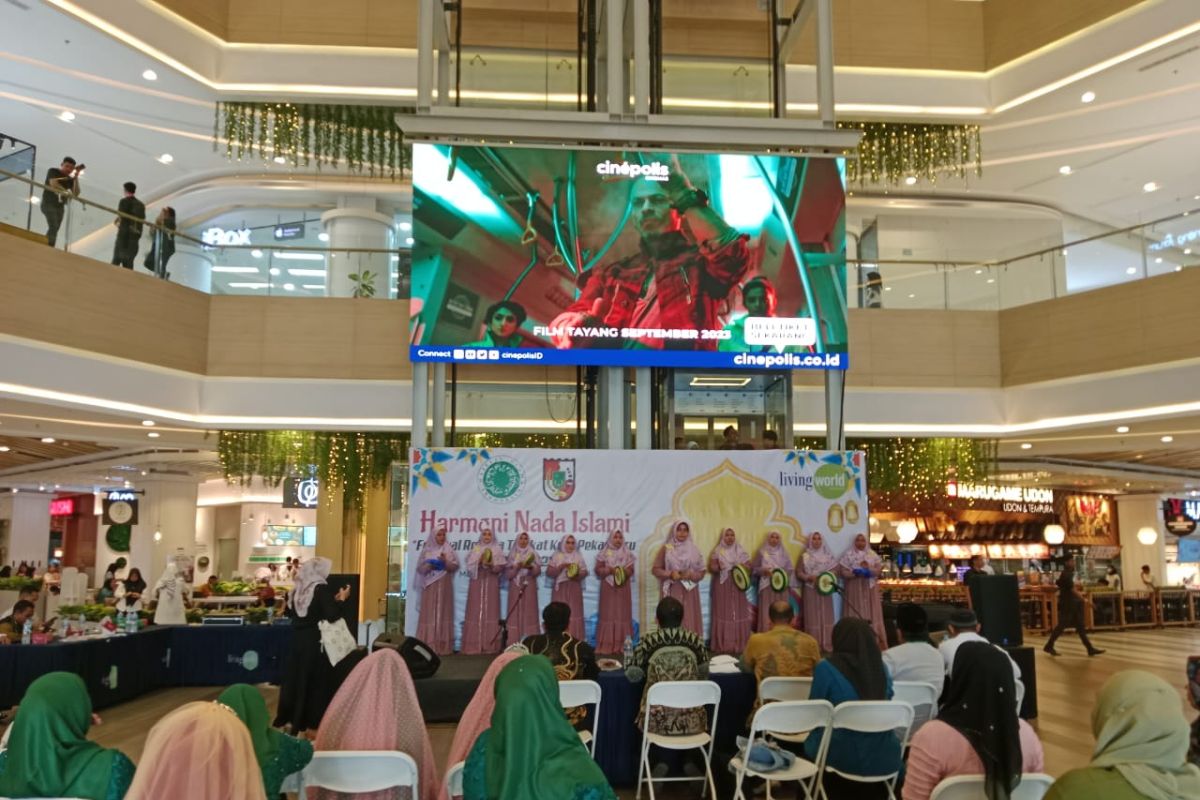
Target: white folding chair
[(583, 693), (1020, 691), (681, 695), (784, 689), (360, 771), (7, 733), (787, 718), (923, 697), (871, 716), (1033, 786), (454, 778)]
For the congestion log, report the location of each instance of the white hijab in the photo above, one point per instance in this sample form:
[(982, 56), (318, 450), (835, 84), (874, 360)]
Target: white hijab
[(312, 574)]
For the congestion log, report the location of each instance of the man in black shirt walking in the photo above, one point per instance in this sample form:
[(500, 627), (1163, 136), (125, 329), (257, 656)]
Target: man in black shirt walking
[(129, 227), (61, 182), (1070, 611)]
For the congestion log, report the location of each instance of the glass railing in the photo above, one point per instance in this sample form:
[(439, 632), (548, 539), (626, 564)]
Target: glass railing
[(209, 260)]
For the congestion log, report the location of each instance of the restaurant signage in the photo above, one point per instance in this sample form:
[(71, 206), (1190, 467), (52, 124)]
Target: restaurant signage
[(1011, 499), (1089, 519), (1181, 515), (63, 507)]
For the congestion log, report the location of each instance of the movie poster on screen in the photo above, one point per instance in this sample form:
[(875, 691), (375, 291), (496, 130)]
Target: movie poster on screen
[(590, 493), (627, 258)]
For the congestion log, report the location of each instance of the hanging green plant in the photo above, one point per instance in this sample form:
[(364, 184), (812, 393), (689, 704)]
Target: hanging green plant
[(364, 137), (117, 538), (890, 152)]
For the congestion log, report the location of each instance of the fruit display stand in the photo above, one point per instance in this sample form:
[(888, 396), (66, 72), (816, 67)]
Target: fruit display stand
[(1039, 608)]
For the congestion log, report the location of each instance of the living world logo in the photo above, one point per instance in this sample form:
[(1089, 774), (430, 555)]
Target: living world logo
[(654, 171), (831, 481), (501, 480), (247, 660)]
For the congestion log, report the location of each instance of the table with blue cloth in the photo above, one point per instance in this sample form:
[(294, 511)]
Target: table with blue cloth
[(619, 742), (123, 667)]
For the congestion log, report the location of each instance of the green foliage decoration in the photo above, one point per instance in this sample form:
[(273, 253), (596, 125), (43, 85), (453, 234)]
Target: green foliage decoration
[(890, 152)]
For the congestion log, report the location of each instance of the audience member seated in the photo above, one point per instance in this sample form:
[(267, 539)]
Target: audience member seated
[(530, 751), (278, 754), (670, 653), (963, 627), (12, 626), (976, 732), (28, 593), (200, 751), (782, 651), (477, 716), (1141, 745), (129, 594), (854, 671), (107, 593), (572, 659), (916, 658), (208, 588), (48, 752), (376, 709)]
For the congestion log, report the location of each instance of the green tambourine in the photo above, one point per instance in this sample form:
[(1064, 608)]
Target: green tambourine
[(779, 580), (619, 577), (826, 583), (741, 577)]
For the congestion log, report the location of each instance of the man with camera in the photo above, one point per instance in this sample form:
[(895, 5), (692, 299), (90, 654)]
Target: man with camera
[(129, 227), (61, 182)]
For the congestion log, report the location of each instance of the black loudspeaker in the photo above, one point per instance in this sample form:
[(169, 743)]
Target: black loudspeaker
[(350, 608), (997, 604), (421, 660)]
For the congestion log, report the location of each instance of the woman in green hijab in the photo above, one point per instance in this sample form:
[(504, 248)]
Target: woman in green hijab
[(1141, 745), (531, 751), (278, 754), (49, 754)]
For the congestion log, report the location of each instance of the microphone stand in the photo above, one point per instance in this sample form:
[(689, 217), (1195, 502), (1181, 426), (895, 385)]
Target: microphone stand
[(502, 634)]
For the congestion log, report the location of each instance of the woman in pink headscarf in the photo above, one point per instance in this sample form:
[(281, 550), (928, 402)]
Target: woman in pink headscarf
[(524, 614), (730, 614), (818, 608), (435, 570), (477, 717), (770, 557), (568, 570), (616, 601), (679, 567), (481, 625), (860, 567), (377, 709)]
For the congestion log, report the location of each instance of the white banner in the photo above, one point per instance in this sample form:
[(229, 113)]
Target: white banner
[(590, 493)]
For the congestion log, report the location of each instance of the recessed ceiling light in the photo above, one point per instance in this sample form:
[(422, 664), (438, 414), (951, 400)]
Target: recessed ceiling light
[(149, 423), (911, 296), (236, 270), (149, 75), (409, 240), (407, 226), (256, 253), (66, 116), (274, 270), (1178, 268), (1187, 252), (1149, 186), (1087, 97), (1131, 270), (910, 180), (1065, 169), (153, 434), (978, 272), (887, 288), (47, 440), (1122, 429), (35, 200), (166, 158), (1158, 260), (991, 280), (1026, 446), (279, 160), (1167, 439), (323, 236), (4, 448), (289, 287)]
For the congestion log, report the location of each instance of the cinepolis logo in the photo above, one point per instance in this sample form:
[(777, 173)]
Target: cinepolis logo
[(654, 171)]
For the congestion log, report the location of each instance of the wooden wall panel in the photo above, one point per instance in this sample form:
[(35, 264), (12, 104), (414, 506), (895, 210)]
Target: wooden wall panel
[(212, 15), (1013, 28)]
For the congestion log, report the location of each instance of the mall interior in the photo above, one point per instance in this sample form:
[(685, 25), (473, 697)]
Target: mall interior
[(969, 231)]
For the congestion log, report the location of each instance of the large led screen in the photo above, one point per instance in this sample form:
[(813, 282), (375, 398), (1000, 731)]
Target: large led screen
[(627, 258)]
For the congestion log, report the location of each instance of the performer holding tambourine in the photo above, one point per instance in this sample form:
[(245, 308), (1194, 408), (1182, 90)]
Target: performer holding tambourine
[(614, 568)]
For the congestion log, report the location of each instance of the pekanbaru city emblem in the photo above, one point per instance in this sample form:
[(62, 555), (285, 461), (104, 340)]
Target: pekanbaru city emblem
[(558, 478)]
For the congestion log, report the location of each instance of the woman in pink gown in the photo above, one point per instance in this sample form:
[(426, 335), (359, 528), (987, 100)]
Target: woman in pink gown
[(679, 567), (616, 602), (770, 557), (817, 608), (435, 570), (860, 567), (481, 625), (731, 614), (568, 587), (524, 566)]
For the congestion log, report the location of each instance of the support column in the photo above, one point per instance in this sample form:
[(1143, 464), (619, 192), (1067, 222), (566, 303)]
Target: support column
[(374, 565), (1133, 514), (420, 403), (614, 406), (330, 524), (835, 425), (825, 101), (29, 528), (166, 524), (191, 266), (642, 390), (356, 222), (438, 406)]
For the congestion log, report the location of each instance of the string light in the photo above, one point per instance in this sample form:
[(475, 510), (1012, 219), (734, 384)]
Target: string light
[(891, 152)]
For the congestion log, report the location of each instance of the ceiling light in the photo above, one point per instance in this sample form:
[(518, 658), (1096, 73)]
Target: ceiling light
[(407, 226), (1087, 97), (4, 448), (149, 423), (1147, 536), (323, 236), (35, 199), (887, 288), (274, 270), (1054, 534), (978, 272), (1187, 252), (1065, 169), (307, 273), (289, 287), (153, 434), (991, 280), (1179, 269), (719, 381), (907, 531), (236, 270), (1149, 186), (1158, 260), (1122, 429), (256, 253), (316, 286), (1167, 439), (1026, 446), (66, 116), (166, 158), (258, 285), (47, 440), (910, 180), (1131, 270), (279, 160), (409, 240), (149, 75), (288, 256), (911, 296)]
